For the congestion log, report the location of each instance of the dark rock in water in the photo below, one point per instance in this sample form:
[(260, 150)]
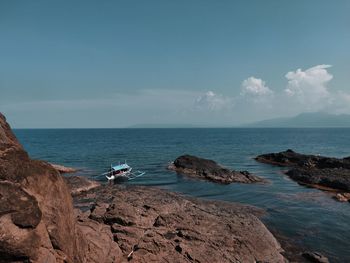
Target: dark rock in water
[(37, 220), (210, 170), (291, 158), (332, 178), (153, 225), (317, 171), (315, 257)]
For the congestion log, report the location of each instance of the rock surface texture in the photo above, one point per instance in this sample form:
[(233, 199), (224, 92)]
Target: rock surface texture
[(317, 171), (37, 220), (209, 170), (152, 225)]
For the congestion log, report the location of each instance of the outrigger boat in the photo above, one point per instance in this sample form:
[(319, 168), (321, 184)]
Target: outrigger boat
[(121, 172)]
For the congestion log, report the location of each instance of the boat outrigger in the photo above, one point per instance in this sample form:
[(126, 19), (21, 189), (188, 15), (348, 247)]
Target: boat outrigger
[(121, 172)]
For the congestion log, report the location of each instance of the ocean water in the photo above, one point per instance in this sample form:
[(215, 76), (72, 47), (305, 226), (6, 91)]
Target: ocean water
[(308, 217)]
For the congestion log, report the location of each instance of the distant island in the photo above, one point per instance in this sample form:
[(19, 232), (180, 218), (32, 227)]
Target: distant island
[(306, 120), (303, 120)]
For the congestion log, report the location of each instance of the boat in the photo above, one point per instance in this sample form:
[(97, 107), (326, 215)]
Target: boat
[(121, 172)]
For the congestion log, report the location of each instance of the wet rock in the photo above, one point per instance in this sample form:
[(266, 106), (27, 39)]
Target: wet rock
[(62, 169), (320, 172), (209, 170), (337, 178), (291, 158), (343, 197), (78, 184), (315, 257)]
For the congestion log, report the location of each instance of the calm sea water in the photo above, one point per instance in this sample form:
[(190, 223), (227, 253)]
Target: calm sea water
[(309, 217)]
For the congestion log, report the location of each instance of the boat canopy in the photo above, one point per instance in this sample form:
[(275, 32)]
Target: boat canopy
[(120, 167)]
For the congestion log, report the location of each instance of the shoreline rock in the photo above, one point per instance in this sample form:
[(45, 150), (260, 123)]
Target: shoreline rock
[(209, 170), (63, 169), (154, 225), (324, 173), (79, 184)]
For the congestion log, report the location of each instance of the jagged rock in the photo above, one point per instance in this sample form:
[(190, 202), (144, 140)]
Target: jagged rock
[(209, 170), (152, 225), (37, 221)]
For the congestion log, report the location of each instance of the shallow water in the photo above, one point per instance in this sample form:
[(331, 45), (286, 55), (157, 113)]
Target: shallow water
[(308, 217)]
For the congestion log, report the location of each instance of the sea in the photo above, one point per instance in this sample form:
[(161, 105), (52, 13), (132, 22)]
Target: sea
[(307, 217)]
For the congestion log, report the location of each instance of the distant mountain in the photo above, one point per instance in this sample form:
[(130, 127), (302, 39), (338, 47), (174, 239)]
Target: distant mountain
[(307, 120), (162, 126)]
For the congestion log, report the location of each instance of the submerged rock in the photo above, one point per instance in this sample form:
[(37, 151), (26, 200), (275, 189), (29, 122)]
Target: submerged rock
[(209, 170), (315, 257), (321, 172), (153, 225)]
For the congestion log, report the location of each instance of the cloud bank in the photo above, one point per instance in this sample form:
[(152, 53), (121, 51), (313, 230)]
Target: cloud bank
[(305, 91)]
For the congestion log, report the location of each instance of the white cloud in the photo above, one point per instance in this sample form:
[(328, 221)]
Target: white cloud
[(255, 87), (213, 102), (309, 87)]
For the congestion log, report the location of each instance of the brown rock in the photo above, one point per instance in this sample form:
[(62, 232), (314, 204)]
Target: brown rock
[(37, 221), (152, 225), (343, 197)]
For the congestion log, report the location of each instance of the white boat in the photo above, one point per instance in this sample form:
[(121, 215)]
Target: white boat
[(122, 172)]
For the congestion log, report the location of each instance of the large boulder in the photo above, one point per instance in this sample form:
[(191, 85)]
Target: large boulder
[(37, 220)]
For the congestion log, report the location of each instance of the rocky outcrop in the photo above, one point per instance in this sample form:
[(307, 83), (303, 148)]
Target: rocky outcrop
[(291, 158), (209, 170), (316, 171), (152, 225), (37, 220)]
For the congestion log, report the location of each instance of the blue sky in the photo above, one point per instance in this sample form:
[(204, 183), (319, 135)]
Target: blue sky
[(211, 63)]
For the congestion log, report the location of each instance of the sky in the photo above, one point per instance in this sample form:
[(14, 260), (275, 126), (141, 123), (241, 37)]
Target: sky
[(92, 64)]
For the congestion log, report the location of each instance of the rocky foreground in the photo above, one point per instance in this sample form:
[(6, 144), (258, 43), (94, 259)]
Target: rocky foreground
[(321, 172), (38, 222), (209, 170), (152, 225)]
